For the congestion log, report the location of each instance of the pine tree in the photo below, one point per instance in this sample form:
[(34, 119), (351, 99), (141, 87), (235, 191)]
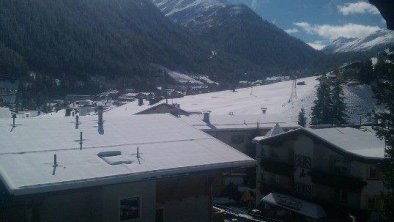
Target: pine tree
[(384, 92), (322, 105), (338, 109), (302, 118)]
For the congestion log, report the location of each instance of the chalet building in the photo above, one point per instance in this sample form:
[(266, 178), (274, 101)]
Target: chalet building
[(8, 90), (139, 168), (336, 167), (71, 98), (173, 109)]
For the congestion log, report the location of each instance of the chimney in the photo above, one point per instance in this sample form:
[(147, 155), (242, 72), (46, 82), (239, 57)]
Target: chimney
[(140, 101), (264, 110), (207, 117), (13, 120)]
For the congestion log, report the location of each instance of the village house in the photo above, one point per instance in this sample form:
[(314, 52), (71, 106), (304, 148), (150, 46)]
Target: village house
[(95, 168), (8, 91), (71, 98), (173, 109), (335, 167)]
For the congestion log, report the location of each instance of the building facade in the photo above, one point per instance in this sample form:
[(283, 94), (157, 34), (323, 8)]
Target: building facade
[(140, 168), (336, 166)]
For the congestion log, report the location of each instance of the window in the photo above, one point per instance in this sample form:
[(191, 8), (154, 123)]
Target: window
[(303, 189), (237, 139), (339, 167), (303, 161), (371, 203), (373, 173), (341, 196), (129, 209), (160, 215)]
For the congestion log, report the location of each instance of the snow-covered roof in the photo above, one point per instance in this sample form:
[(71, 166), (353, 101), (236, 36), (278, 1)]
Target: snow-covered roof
[(128, 109), (5, 112), (233, 122), (276, 130), (357, 142), (170, 108), (362, 141), (166, 146), (303, 207)]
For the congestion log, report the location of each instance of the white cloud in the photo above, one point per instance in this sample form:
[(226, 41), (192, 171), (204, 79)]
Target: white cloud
[(358, 8), (333, 32), (258, 3), (318, 45), (291, 31), (305, 25)]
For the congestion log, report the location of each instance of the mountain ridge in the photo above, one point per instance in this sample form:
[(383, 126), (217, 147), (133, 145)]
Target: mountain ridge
[(238, 30), (112, 38), (375, 41)]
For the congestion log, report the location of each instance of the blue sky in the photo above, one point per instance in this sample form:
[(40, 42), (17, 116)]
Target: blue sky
[(318, 22)]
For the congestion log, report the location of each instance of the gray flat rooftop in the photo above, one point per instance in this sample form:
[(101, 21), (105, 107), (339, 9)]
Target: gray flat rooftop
[(166, 146), (240, 122)]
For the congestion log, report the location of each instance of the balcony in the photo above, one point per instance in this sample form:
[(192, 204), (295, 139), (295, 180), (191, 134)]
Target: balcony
[(276, 167), (337, 181)]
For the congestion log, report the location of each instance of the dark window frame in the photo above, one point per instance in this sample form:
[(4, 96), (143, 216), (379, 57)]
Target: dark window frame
[(129, 217)]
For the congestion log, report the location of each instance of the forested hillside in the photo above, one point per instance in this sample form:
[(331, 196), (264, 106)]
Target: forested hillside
[(112, 38)]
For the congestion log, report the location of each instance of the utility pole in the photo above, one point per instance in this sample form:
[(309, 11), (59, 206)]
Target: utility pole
[(259, 149)]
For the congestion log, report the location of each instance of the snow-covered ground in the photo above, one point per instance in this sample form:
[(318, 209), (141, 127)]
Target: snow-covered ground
[(275, 97), (182, 78)]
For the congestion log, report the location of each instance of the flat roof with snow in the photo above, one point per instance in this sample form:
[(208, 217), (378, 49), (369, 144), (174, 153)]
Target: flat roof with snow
[(238, 122), (126, 149)]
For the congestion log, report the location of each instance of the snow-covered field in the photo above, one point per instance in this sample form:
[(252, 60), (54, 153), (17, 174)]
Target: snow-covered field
[(275, 97), (182, 78), (250, 100)]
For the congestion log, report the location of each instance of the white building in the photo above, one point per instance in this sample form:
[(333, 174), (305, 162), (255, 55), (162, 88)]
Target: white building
[(139, 168)]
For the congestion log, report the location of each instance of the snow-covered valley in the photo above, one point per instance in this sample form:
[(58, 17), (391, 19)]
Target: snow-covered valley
[(275, 97)]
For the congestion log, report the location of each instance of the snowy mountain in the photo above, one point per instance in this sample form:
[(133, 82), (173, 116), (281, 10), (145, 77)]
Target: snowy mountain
[(237, 30), (376, 41)]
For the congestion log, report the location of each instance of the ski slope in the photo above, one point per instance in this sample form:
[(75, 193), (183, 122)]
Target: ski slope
[(275, 97)]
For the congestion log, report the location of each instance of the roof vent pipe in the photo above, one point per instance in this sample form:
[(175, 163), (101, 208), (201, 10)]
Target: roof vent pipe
[(80, 141), (13, 120), (100, 111), (76, 121), (55, 160), (207, 117)]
